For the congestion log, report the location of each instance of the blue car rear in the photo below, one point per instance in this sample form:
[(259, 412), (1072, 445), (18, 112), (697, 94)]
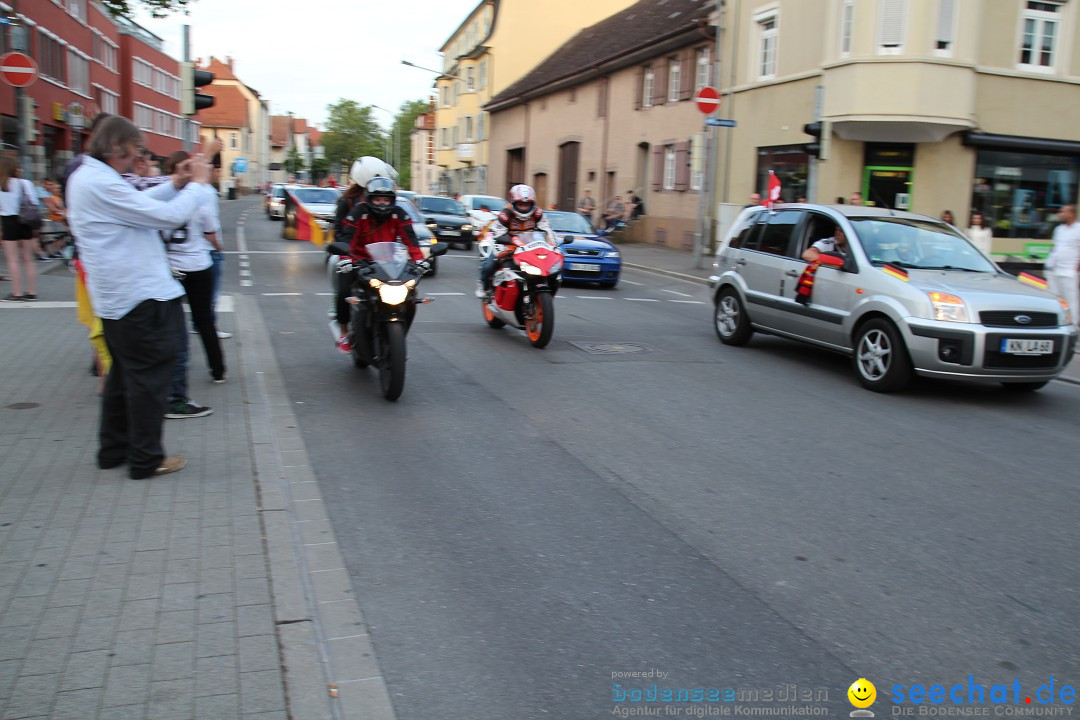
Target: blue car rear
[(589, 258)]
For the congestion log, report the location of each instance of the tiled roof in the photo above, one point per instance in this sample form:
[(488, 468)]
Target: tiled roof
[(642, 24), (229, 110), (221, 70), (314, 136), (279, 130)]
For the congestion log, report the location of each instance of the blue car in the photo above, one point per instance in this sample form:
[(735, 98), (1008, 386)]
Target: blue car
[(589, 257)]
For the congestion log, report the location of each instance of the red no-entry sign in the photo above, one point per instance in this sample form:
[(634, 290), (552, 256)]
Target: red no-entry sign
[(707, 99), (18, 69)]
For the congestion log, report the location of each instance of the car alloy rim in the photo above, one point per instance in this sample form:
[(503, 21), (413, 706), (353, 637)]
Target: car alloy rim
[(875, 355), (727, 316)]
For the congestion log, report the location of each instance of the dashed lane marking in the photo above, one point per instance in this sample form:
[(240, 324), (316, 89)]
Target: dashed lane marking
[(675, 293)]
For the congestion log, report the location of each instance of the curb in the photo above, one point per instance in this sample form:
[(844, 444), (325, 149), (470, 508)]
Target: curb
[(669, 273), (328, 663)]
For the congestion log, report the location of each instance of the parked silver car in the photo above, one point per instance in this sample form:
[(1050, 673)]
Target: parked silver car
[(912, 296)]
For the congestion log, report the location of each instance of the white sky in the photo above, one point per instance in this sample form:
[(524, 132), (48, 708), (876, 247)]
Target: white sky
[(303, 55)]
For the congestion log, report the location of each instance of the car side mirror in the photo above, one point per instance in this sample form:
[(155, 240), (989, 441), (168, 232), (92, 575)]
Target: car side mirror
[(439, 248)]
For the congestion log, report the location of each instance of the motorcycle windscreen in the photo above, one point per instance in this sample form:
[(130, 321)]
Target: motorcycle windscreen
[(391, 257)]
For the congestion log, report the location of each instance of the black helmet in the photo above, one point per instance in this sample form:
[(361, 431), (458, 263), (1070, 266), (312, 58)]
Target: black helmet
[(380, 186)]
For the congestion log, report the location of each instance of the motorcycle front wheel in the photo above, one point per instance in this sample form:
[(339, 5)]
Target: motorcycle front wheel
[(391, 360), (541, 324)]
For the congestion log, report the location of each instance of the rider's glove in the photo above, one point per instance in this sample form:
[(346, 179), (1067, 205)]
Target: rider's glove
[(424, 266)]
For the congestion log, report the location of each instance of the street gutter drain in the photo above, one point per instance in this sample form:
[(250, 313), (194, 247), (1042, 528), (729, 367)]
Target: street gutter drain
[(594, 348), (23, 406)]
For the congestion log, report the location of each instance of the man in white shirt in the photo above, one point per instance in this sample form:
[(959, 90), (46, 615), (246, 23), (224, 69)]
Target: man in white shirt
[(836, 244), (133, 291), (1063, 264)]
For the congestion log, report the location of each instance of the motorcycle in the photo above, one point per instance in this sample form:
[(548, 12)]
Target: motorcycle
[(383, 302), (523, 295)]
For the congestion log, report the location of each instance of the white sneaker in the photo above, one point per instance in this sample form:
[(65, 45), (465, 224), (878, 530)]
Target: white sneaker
[(224, 335), (480, 291)]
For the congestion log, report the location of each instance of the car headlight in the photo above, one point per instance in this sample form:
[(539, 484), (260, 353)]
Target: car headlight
[(1065, 309), (612, 254), (394, 294), (531, 269), (948, 307), (466, 228), (432, 225)]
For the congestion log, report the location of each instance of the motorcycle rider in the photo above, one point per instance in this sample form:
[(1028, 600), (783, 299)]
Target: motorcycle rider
[(521, 215), (375, 219)]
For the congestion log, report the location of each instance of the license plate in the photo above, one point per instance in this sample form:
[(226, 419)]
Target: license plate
[(1014, 346), (584, 267), (455, 233)]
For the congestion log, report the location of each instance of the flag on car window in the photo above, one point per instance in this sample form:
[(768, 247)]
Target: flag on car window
[(772, 195)]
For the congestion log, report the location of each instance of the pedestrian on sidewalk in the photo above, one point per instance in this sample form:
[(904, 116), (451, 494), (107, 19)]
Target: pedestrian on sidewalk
[(1063, 265), (587, 206), (614, 214), (189, 258), (18, 237), (133, 291)]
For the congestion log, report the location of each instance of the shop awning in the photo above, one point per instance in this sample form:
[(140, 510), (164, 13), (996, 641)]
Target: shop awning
[(973, 138)]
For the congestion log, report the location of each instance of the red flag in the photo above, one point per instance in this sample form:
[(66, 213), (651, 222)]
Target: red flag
[(773, 193)]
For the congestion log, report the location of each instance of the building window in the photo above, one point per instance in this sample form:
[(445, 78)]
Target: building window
[(1020, 194), (144, 117), (51, 58), (647, 87), (444, 138), (234, 141), (946, 21), (847, 13), (444, 96), (470, 79), (77, 8), (142, 72), (468, 128), (107, 100), (892, 28), (104, 52), (1039, 37), (673, 84), (767, 36), (669, 167), (78, 73), (703, 66)]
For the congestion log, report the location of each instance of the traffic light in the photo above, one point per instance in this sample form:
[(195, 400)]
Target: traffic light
[(191, 101), (819, 147)]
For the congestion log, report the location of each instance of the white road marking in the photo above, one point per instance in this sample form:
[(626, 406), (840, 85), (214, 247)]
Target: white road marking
[(630, 282), (688, 302), (641, 299), (591, 297), (281, 294), (441, 294), (241, 246), (675, 293), (275, 252), (225, 304)]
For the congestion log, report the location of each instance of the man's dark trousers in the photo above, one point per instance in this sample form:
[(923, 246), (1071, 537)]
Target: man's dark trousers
[(143, 345)]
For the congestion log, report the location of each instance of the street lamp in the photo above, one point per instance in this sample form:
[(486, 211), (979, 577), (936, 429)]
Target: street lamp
[(437, 72)]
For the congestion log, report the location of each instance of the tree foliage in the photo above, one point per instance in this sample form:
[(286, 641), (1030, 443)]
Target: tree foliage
[(157, 8), (404, 124), (351, 131)]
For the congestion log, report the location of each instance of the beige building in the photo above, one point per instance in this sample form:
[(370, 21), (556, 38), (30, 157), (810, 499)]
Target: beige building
[(612, 110), (240, 117), (497, 43), (930, 105)]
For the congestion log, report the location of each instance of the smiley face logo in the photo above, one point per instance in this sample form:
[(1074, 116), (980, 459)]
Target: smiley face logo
[(862, 693)]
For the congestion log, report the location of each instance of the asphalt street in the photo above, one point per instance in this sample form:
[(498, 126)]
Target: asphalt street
[(524, 526)]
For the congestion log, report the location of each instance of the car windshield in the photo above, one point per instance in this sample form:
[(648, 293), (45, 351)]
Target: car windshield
[(316, 195), (493, 203), (410, 210), (922, 244), (568, 222), (450, 206)]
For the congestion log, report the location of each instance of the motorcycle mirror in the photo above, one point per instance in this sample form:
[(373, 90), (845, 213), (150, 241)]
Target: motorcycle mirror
[(439, 249)]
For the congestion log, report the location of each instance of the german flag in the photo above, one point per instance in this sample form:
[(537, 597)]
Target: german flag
[(898, 273), (306, 226), (1033, 280)]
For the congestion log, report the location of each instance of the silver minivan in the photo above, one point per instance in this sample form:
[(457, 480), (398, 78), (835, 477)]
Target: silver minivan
[(911, 295)]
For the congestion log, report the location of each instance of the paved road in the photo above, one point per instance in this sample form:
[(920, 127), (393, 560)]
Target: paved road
[(524, 524)]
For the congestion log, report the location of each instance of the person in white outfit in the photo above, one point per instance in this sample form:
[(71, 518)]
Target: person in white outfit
[(981, 236), (1063, 264), (18, 238)]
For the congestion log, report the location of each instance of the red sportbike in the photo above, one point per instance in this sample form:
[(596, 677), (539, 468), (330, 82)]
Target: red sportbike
[(524, 289)]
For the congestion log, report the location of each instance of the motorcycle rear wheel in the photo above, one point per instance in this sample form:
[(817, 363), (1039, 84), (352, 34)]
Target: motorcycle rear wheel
[(540, 326), (391, 360), (489, 317)]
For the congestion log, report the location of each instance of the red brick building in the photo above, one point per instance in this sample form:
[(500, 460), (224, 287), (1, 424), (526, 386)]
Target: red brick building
[(88, 62)]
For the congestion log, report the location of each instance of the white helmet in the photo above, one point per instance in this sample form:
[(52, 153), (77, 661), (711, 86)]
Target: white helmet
[(368, 167), (523, 195)]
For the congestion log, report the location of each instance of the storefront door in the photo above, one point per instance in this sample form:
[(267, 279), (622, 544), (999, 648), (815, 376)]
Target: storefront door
[(888, 176)]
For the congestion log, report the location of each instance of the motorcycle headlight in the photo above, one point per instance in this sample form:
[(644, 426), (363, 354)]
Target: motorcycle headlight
[(531, 269), (394, 294), (612, 254), (948, 307), (1065, 309)]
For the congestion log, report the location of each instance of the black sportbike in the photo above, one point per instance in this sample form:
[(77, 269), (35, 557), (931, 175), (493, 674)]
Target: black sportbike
[(383, 301)]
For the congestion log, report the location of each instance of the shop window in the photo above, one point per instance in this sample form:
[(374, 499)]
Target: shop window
[(790, 164), (1020, 194)]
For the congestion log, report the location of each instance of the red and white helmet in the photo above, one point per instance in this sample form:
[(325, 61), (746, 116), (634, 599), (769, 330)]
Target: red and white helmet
[(522, 194)]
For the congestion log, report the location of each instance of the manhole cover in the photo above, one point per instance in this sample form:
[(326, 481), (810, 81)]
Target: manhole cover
[(594, 348), (23, 406)]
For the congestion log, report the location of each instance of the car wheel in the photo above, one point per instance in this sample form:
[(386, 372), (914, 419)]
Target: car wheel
[(288, 229), (1025, 386), (610, 285), (730, 319), (881, 360)]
